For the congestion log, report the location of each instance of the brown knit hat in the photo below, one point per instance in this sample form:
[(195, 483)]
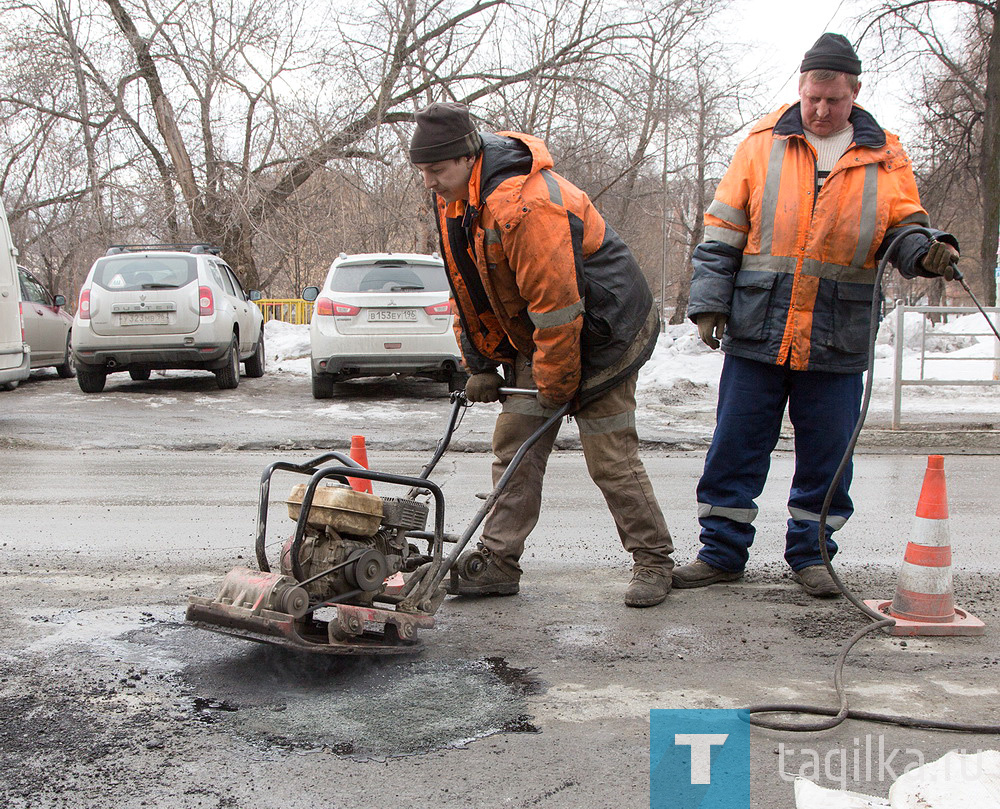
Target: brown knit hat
[(831, 52), (444, 131)]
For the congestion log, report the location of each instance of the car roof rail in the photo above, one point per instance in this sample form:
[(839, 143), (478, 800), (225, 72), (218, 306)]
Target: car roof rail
[(199, 247)]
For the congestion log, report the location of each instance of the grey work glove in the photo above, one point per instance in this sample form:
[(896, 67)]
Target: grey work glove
[(710, 327), (940, 259), (484, 387)]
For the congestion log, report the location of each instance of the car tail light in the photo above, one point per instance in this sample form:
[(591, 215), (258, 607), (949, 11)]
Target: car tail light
[(83, 307), (327, 308), (20, 316), (439, 308), (206, 301)]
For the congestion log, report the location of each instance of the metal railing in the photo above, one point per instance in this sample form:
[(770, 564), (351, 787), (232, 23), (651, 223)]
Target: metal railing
[(899, 382), (287, 310)]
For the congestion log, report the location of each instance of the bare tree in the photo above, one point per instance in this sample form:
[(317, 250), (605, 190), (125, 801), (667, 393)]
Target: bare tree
[(280, 136), (962, 115)]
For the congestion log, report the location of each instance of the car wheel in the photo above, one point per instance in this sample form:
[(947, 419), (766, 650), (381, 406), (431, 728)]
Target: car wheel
[(9, 385), (228, 377), (139, 374), (322, 385), (91, 380), (457, 380), (67, 370), (255, 365)]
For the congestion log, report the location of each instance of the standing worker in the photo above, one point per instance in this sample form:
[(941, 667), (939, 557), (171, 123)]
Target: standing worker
[(784, 278), (546, 289)]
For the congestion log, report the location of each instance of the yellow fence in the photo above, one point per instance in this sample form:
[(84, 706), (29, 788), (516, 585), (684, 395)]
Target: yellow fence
[(288, 310)]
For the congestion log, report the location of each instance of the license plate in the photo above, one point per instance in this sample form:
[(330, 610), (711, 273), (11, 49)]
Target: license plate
[(391, 315), (143, 319)]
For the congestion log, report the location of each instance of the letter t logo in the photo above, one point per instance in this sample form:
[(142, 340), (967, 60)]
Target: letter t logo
[(701, 753)]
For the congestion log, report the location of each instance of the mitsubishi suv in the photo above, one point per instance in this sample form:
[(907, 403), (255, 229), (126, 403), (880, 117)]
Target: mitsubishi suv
[(379, 314), (154, 307)]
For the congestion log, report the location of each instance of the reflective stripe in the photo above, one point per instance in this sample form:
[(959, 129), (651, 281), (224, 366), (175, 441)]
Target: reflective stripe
[(734, 238), (555, 192), (832, 520), (926, 580), (810, 266), (838, 272), (869, 215), (769, 200), (744, 515), (727, 213), (560, 317), (491, 236), (607, 424), (769, 263)]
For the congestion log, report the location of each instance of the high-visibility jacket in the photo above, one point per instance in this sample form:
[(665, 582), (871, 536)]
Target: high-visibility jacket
[(535, 270), (794, 270)]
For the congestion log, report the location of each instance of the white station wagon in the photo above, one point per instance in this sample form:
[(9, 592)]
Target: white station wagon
[(380, 314), (153, 307)]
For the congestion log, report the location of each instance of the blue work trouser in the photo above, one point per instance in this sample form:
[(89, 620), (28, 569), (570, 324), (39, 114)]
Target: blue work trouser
[(824, 409)]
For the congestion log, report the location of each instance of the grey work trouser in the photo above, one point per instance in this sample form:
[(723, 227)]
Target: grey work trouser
[(611, 449)]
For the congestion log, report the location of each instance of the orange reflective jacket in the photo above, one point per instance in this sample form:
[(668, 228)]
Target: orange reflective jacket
[(794, 270), (535, 270)]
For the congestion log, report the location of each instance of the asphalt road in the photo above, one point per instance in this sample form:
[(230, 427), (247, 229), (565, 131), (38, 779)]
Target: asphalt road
[(115, 509)]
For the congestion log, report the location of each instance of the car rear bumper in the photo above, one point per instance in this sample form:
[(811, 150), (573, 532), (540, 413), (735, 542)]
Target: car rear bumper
[(18, 372), (209, 358), (417, 364)]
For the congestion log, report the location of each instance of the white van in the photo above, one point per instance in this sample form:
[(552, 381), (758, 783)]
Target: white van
[(15, 358)]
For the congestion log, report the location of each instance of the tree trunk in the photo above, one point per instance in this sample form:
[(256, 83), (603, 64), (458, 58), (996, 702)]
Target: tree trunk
[(165, 121), (991, 165)]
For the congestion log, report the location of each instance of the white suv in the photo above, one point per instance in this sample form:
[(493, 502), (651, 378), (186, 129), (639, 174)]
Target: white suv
[(380, 314), (152, 307)]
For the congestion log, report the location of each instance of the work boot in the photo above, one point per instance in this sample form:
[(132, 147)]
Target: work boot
[(702, 574), (648, 587), (817, 581), (491, 582)]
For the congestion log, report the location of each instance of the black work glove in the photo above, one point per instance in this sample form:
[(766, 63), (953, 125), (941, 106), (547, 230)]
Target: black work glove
[(483, 387), (940, 259), (710, 327)]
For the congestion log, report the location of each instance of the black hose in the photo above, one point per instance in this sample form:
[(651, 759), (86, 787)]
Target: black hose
[(880, 621)]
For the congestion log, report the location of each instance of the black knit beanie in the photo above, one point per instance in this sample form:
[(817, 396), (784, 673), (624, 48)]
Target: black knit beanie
[(444, 131), (832, 52)]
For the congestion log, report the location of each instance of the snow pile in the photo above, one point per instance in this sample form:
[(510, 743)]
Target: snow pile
[(287, 347), (938, 338)]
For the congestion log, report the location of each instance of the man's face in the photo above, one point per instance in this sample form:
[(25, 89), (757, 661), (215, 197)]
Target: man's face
[(449, 179), (826, 105)]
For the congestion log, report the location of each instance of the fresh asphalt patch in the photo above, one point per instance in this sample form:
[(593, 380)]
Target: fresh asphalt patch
[(102, 692)]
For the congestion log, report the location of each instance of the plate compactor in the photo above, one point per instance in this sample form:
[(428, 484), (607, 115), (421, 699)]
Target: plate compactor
[(336, 590)]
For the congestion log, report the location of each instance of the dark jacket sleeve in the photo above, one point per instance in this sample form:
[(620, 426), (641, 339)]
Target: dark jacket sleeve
[(715, 268), (912, 248), (475, 362)]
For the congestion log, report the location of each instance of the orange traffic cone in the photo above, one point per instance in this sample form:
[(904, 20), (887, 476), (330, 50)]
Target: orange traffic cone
[(359, 454), (924, 604)]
